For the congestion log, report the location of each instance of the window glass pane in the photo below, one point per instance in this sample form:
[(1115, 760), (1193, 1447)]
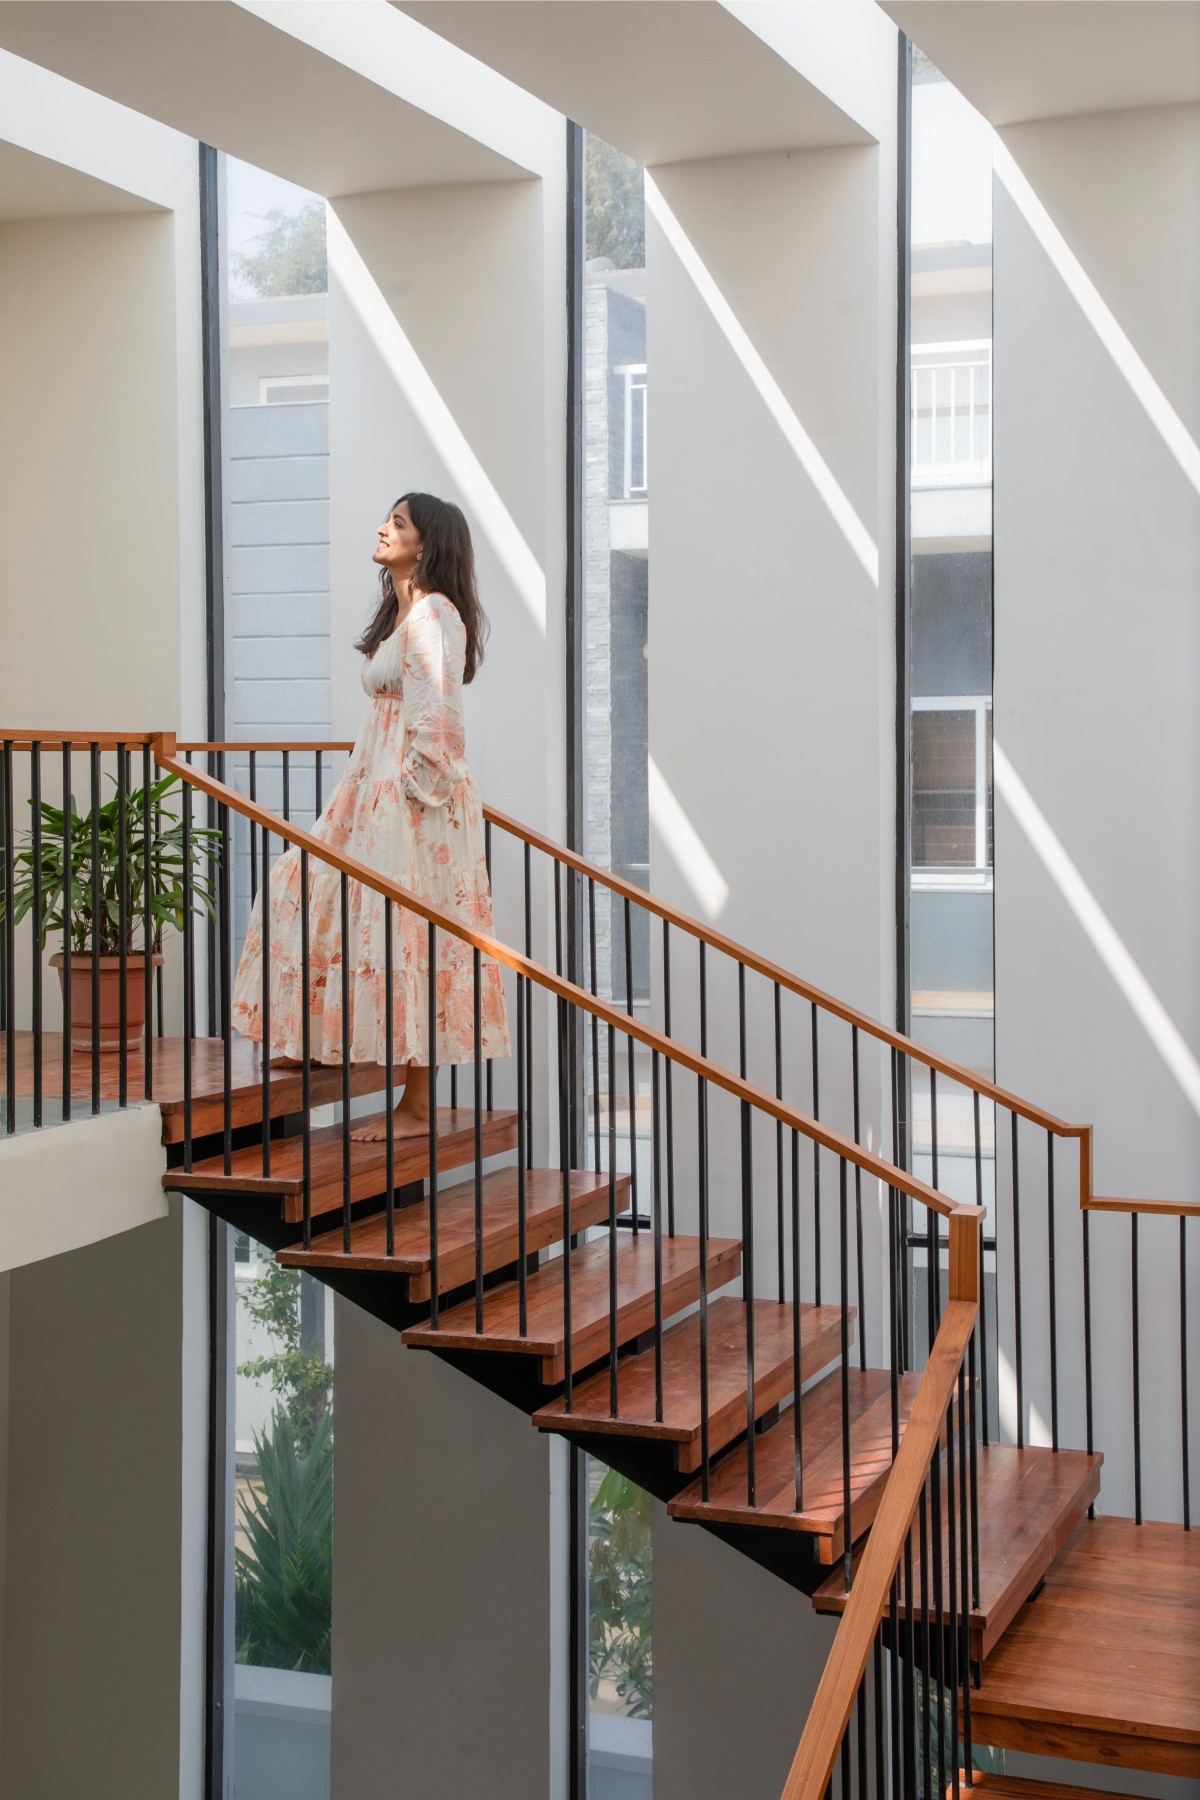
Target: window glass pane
[(620, 1635), (943, 788)]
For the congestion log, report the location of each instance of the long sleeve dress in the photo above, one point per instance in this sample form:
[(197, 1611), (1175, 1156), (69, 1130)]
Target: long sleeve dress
[(406, 805)]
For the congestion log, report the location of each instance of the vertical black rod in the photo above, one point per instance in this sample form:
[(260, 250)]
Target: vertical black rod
[(702, 1129), (668, 1076), (933, 1224), (148, 933), (633, 1161), (431, 1050), (477, 1098), (969, 1559), (564, 1150), (1183, 1372), (122, 928), (613, 1341), (68, 942), (389, 1105), (860, 1277), (305, 1050), (897, 1298), (939, 1640), (973, 1437), (595, 1024), (522, 1166), (1137, 1371), (1053, 1290), (224, 927), (926, 1630), (797, 1354), (877, 1669), (528, 1013), (747, 1125), (816, 1113), (894, 1690), (982, 1324), (951, 1635), (96, 906), (844, 1262), (287, 783), (1087, 1339), (780, 1229), (35, 807), (265, 918), (10, 946), (656, 1174), (489, 1093), (318, 784), (1018, 1345), (253, 849), (189, 975), (348, 956)]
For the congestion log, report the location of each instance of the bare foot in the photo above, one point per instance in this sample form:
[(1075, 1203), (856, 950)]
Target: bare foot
[(406, 1123)]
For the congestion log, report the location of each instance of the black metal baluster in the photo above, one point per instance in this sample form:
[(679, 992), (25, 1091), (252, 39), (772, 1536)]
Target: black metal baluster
[(490, 1092), (224, 887), (565, 1156), (189, 974), (747, 1133), (96, 904), (933, 1223), (265, 1054), (477, 1099), (844, 1267), (877, 1668), (951, 1634), (319, 785), (633, 1161), (1087, 1340), (148, 933), (937, 1670), (253, 845), (1053, 1290), (389, 1103), (797, 1356), (899, 1313), (287, 784), (613, 1342), (656, 1177), (968, 1559), (35, 806), (702, 1129), (1018, 1345), (982, 1325), (1137, 1371), (816, 1110), (347, 956), (431, 1050), (595, 1025), (860, 1277), (894, 1692), (528, 1011), (1183, 1372), (305, 1050), (780, 1231), (68, 942), (926, 1630), (668, 1074), (522, 1165), (974, 1482), (10, 946)]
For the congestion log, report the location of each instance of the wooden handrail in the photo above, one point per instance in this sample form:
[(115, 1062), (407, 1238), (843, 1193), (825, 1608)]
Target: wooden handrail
[(260, 748), (1173, 1209), (833, 1702), (70, 740), (558, 985)]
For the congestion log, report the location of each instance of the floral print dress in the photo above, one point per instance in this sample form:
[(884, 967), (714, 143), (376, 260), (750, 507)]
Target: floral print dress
[(406, 806)]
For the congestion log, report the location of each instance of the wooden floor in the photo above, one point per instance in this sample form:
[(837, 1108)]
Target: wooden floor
[(1030, 1503), (412, 1256), (208, 1080), (820, 1342), (545, 1334), (774, 1503), (1104, 1665), (368, 1163)]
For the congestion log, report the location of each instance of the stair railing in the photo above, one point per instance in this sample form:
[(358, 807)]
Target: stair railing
[(895, 1693)]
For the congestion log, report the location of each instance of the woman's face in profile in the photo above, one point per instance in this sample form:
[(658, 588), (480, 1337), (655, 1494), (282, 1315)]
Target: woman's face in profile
[(398, 543)]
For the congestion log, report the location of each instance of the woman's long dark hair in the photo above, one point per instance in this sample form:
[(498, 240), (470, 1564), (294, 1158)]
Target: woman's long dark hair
[(447, 567)]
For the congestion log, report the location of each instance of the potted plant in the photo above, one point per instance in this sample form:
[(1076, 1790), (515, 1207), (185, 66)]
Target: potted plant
[(67, 900)]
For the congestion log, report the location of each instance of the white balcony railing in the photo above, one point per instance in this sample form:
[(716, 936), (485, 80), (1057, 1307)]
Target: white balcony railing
[(951, 416)]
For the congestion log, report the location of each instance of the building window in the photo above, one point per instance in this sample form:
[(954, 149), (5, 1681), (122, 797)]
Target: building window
[(951, 791)]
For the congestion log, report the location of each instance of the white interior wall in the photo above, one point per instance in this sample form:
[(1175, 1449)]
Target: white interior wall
[(1097, 648)]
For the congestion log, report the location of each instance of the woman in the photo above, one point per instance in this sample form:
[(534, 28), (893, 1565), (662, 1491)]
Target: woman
[(406, 805)]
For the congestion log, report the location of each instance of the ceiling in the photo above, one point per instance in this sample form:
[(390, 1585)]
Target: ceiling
[(1015, 60), (36, 187)]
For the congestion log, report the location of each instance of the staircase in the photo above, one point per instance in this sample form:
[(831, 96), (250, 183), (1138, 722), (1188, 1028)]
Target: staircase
[(684, 1319)]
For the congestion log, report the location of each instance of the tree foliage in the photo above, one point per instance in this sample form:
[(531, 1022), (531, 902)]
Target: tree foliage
[(291, 255), (283, 1579), (296, 1368), (620, 1614), (615, 209)]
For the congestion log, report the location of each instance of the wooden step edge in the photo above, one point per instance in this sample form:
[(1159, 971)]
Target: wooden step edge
[(456, 1265), (456, 1149), (772, 1386), (1025, 1787), (1080, 1738), (286, 1096), (590, 1341)]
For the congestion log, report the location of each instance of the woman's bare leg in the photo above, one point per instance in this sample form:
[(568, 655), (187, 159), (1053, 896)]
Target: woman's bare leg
[(411, 1117)]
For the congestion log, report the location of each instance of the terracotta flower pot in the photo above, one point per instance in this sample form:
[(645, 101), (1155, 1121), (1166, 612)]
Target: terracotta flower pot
[(110, 999)]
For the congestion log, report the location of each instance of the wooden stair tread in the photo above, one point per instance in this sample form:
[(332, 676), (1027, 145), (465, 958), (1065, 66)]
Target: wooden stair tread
[(775, 1491), (820, 1343), (1026, 1787), (208, 1080), (368, 1162), (456, 1229), (1104, 1665), (1030, 1503), (545, 1336)]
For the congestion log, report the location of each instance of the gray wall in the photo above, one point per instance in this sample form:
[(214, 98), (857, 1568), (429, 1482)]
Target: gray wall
[(1097, 653)]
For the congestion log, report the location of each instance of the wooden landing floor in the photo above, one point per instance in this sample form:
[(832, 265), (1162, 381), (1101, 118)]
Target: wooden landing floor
[(1030, 1503), (1104, 1665), (208, 1080)]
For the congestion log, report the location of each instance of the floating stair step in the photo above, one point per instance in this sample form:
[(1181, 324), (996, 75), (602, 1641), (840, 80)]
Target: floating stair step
[(456, 1229), (774, 1504), (208, 1080), (545, 1337), (1030, 1503), (1104, 1665), (1019, 1787), (820, 1343), (368, 1163)]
